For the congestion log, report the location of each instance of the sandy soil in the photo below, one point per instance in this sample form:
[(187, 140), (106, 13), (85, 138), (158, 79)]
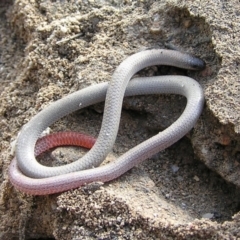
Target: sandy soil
[(191, 190)]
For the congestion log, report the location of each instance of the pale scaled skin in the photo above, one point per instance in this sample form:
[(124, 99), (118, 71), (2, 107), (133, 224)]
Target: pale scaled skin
[(28, 175)]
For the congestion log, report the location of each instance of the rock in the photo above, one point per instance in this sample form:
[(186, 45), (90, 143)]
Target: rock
[(208, 215)]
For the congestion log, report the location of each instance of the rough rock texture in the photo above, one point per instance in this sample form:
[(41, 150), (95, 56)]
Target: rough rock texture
[(189, 191)]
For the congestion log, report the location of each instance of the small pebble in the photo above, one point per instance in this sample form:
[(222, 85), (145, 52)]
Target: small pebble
[(174, 168), (196, 178), (207, 215)]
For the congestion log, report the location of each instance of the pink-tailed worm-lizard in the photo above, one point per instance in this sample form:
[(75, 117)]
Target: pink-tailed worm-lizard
[(29, 176)]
